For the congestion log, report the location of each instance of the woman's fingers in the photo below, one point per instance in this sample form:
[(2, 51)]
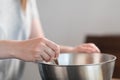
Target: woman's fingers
[(45, 56), (93, 47), (50, 52), (87, 48), (53, 46)]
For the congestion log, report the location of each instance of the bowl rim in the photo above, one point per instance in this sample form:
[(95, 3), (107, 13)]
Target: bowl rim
[(95, 64)]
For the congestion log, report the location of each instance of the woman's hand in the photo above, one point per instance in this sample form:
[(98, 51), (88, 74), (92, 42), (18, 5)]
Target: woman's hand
[(36, 50), (86, 48)]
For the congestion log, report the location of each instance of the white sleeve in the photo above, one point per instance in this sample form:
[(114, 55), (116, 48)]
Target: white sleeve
[(34, 9)]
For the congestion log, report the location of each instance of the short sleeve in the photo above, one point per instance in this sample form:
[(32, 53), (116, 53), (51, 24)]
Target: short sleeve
[(34, 9)]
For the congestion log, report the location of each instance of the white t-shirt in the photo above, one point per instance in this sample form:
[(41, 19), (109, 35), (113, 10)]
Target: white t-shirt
[(14, 25)]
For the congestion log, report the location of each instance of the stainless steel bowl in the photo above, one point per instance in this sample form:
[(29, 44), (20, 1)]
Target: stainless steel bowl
[(79, 67), (11, 69)]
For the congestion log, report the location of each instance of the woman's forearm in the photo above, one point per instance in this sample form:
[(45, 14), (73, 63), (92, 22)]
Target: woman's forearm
[(66, 49), (7, 48)]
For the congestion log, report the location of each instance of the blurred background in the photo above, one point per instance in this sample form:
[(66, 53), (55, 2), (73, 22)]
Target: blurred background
[(68, 22)]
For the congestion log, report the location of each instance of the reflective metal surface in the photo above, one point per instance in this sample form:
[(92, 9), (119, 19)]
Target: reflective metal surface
[(11, 69), (79, 67)]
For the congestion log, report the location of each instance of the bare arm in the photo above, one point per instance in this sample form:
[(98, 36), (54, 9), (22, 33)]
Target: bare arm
[(66, 49), (36, 29), (6, 49)]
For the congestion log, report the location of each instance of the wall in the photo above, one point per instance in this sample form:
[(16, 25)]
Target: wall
[(77, 18), (67, 22)]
